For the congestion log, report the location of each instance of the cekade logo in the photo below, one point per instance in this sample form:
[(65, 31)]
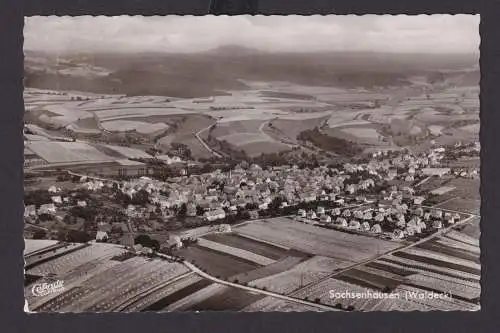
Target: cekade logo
[(43, 289)]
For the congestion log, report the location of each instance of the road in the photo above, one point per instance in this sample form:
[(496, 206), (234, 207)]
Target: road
[(207, 147), (252, 289), (387, 253)]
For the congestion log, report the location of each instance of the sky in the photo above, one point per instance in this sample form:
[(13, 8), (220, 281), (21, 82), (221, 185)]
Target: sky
[(375, 33)]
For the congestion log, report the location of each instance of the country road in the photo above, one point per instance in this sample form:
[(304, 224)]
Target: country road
[(252, 289), (207, 147)]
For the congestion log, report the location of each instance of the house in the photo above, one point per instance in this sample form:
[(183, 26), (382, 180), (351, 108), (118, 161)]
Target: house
[(54, 189), (47, 209), (341, 222), (437, 224), (398, 234), (346, 213), (82, 203), (325, 218), (191, 209), (440, 172), (264, 206), (213, 215), (418, 200), (29, 210), (311, 215), (365, 226), (254, 214), (368, 215), (336, 211), (301, 213), (354, 225), (376, 229), (56, 199), (320, 210), (101, 236)]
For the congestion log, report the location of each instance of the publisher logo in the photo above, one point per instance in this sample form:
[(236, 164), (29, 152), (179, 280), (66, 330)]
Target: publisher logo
[(43, 289)]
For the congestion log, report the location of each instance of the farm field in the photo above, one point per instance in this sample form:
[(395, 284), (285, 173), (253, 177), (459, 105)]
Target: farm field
[(216, 263), (127, 152), (302, 274), (428, 256), (277, 267), (287, 130), (471, 206), (248, 244), (314, 240), (110, 288), (472, 230), (33, 245), (173, 293), (271, 304), (138, 126), (229, 299), (61, 152), (244, 254)]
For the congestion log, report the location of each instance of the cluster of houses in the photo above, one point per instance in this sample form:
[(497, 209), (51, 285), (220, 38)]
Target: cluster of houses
[(388, 176), (399, 221)]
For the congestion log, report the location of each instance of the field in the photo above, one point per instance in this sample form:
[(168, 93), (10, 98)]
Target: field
[(271, 304), (128, 152), (254, 246), (110, 286), (315, 240), (300, 275), (185, 133), (138, 126), (60, 152), (227, 299), (240, 253), (462, 205), (216, 263), (32, 245)]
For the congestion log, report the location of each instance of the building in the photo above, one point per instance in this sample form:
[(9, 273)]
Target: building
[(101, 236), (440, 172), (325, 218), (376, 229), (213, 215)]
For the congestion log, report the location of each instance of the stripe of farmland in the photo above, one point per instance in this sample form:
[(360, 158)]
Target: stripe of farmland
[(418, 267), (432, 258), (45, 250), (261, 240), (388, 268), (239, 253), (32, 263), (137, 298), (456, 244), (381, 273), (245, 243), (366, 280), (439, 248), (463, 238), (265, 271), (229, 300), (157, 295), (178, 295)]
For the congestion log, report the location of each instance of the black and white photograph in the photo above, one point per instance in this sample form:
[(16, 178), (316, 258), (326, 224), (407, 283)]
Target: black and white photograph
[(251, 163)]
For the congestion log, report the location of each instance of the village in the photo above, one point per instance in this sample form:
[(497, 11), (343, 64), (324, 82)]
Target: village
[(385, 197)]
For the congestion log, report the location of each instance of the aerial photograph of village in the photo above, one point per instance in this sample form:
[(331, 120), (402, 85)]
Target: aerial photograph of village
[(252, 163)]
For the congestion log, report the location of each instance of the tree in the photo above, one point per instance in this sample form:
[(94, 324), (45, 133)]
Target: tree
[(182, 210), (78, 236), (39, 234)]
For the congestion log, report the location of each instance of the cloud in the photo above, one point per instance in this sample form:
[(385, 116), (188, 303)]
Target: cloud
[(379, 33)]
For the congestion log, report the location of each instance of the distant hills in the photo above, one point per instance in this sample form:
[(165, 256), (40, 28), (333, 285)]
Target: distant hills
[(208, 73)]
